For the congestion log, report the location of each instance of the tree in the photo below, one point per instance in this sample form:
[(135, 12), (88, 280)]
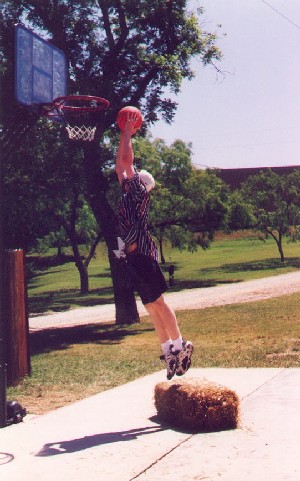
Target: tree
[(276, 203), (129, 52), (79, 225), (240, 212), (42, 195), (210, 198)]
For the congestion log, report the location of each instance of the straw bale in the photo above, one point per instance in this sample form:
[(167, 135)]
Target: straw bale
[(196, 405)]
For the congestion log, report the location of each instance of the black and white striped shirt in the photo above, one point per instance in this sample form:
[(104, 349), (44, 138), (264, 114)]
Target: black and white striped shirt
[(133, 217)]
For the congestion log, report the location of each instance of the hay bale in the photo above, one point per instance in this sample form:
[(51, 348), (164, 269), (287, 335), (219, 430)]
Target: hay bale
[(197, 405)]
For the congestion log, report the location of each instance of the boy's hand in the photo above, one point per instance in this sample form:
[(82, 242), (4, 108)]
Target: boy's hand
[(130, 124)]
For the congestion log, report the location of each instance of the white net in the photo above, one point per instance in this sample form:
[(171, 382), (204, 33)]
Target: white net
[(81, 132)]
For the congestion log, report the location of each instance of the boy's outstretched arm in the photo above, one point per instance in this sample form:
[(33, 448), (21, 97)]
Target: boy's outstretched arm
[(125, 154)]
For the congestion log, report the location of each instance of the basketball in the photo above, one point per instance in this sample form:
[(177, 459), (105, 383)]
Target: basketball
[(122, 116)]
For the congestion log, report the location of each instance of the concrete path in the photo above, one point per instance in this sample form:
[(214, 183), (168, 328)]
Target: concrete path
[(115, 436), (247, 291)]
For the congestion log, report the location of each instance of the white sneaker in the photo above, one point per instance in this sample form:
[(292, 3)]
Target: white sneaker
[(184, 358), (171, 360)]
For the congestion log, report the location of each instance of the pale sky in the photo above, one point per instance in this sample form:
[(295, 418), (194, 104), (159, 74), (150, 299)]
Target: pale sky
[(250, 116)]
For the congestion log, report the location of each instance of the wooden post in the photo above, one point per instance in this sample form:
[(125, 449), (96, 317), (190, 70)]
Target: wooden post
[(16, 314), (3, 339)]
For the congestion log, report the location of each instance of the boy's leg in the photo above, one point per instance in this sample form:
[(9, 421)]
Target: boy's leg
[(164, 335), (166, 326), (158, 323), (164, 319)]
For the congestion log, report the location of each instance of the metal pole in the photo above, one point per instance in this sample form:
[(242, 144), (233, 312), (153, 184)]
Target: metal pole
[(3, 412)]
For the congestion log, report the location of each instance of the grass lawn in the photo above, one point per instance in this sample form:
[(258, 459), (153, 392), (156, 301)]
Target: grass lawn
[(71, 364), (230, 258)]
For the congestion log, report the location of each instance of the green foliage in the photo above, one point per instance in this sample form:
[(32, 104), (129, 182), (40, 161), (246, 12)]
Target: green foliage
[(175, 165), (240, 214), (276, 204), (39, 184), (210, 197), (130, 51), (57, 239)]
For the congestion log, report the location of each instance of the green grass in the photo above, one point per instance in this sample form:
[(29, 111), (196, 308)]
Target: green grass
[(73, 363), (229, 259)]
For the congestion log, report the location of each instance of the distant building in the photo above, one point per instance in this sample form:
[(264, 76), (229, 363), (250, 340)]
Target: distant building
[(235, 177)]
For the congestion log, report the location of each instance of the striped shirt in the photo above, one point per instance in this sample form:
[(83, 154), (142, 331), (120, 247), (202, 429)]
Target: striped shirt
[(133, 217)]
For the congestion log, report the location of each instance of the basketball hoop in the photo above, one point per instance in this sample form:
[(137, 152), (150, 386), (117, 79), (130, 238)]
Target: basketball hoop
[(79, 113)]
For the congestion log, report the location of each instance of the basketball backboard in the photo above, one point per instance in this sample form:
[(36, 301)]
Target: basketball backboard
[(40, 69)]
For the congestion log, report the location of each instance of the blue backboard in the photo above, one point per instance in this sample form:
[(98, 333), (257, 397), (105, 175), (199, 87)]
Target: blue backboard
[(40, 69)]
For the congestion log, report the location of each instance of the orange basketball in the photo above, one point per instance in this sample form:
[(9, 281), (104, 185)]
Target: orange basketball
[(122, 116)]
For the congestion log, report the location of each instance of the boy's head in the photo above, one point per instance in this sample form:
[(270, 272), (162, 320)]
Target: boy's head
[(147, 179)]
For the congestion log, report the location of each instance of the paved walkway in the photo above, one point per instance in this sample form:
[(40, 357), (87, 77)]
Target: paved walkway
[(247, 291), (115, 436)]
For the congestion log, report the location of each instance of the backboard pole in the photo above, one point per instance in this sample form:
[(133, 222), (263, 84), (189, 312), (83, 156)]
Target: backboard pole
[(3, 412)]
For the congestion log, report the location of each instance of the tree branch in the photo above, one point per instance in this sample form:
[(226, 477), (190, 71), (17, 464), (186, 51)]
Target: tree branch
[(143, 84), (114, 46), (110, 39), (92, 250)]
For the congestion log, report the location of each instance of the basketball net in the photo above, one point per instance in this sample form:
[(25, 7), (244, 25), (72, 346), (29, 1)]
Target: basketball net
[(85, 133), (80, 115)]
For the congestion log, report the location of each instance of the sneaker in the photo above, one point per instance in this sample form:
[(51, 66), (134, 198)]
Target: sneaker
[(184, 358), (171, 360)]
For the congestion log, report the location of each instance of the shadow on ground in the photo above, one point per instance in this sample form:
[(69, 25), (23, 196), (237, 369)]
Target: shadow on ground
[(87, 442), (58, 301), (55, 339), (266, 264), (263, 265)]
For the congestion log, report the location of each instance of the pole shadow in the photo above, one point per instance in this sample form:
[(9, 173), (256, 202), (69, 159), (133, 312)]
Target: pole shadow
[(80, 444)]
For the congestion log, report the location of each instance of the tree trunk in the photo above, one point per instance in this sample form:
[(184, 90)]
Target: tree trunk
[(125, 303), (280, 249), (278, 243), (82, 268), (92, 250), (59, 253), (70, 229), (126, 309), (162, 257), (84, 278)]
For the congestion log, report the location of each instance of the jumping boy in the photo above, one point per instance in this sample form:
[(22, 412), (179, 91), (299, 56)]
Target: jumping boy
[(142, 254)]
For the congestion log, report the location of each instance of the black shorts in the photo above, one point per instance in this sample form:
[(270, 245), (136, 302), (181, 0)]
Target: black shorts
[(146, 277)]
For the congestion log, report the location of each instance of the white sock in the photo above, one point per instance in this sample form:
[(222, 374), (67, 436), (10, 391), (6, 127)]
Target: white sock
[(166, 346), (177, 343)]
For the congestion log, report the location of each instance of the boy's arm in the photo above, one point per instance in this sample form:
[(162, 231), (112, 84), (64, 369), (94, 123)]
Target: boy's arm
[(120, 168), (125, 154)]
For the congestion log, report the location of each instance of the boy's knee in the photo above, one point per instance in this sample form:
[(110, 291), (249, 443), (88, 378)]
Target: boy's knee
[(159, 301), (155, 304)]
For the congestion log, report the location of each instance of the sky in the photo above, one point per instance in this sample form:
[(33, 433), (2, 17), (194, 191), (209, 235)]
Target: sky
[(248, 116)]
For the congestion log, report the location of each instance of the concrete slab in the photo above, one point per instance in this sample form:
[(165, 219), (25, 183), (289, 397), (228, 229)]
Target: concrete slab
[(114, 436)]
